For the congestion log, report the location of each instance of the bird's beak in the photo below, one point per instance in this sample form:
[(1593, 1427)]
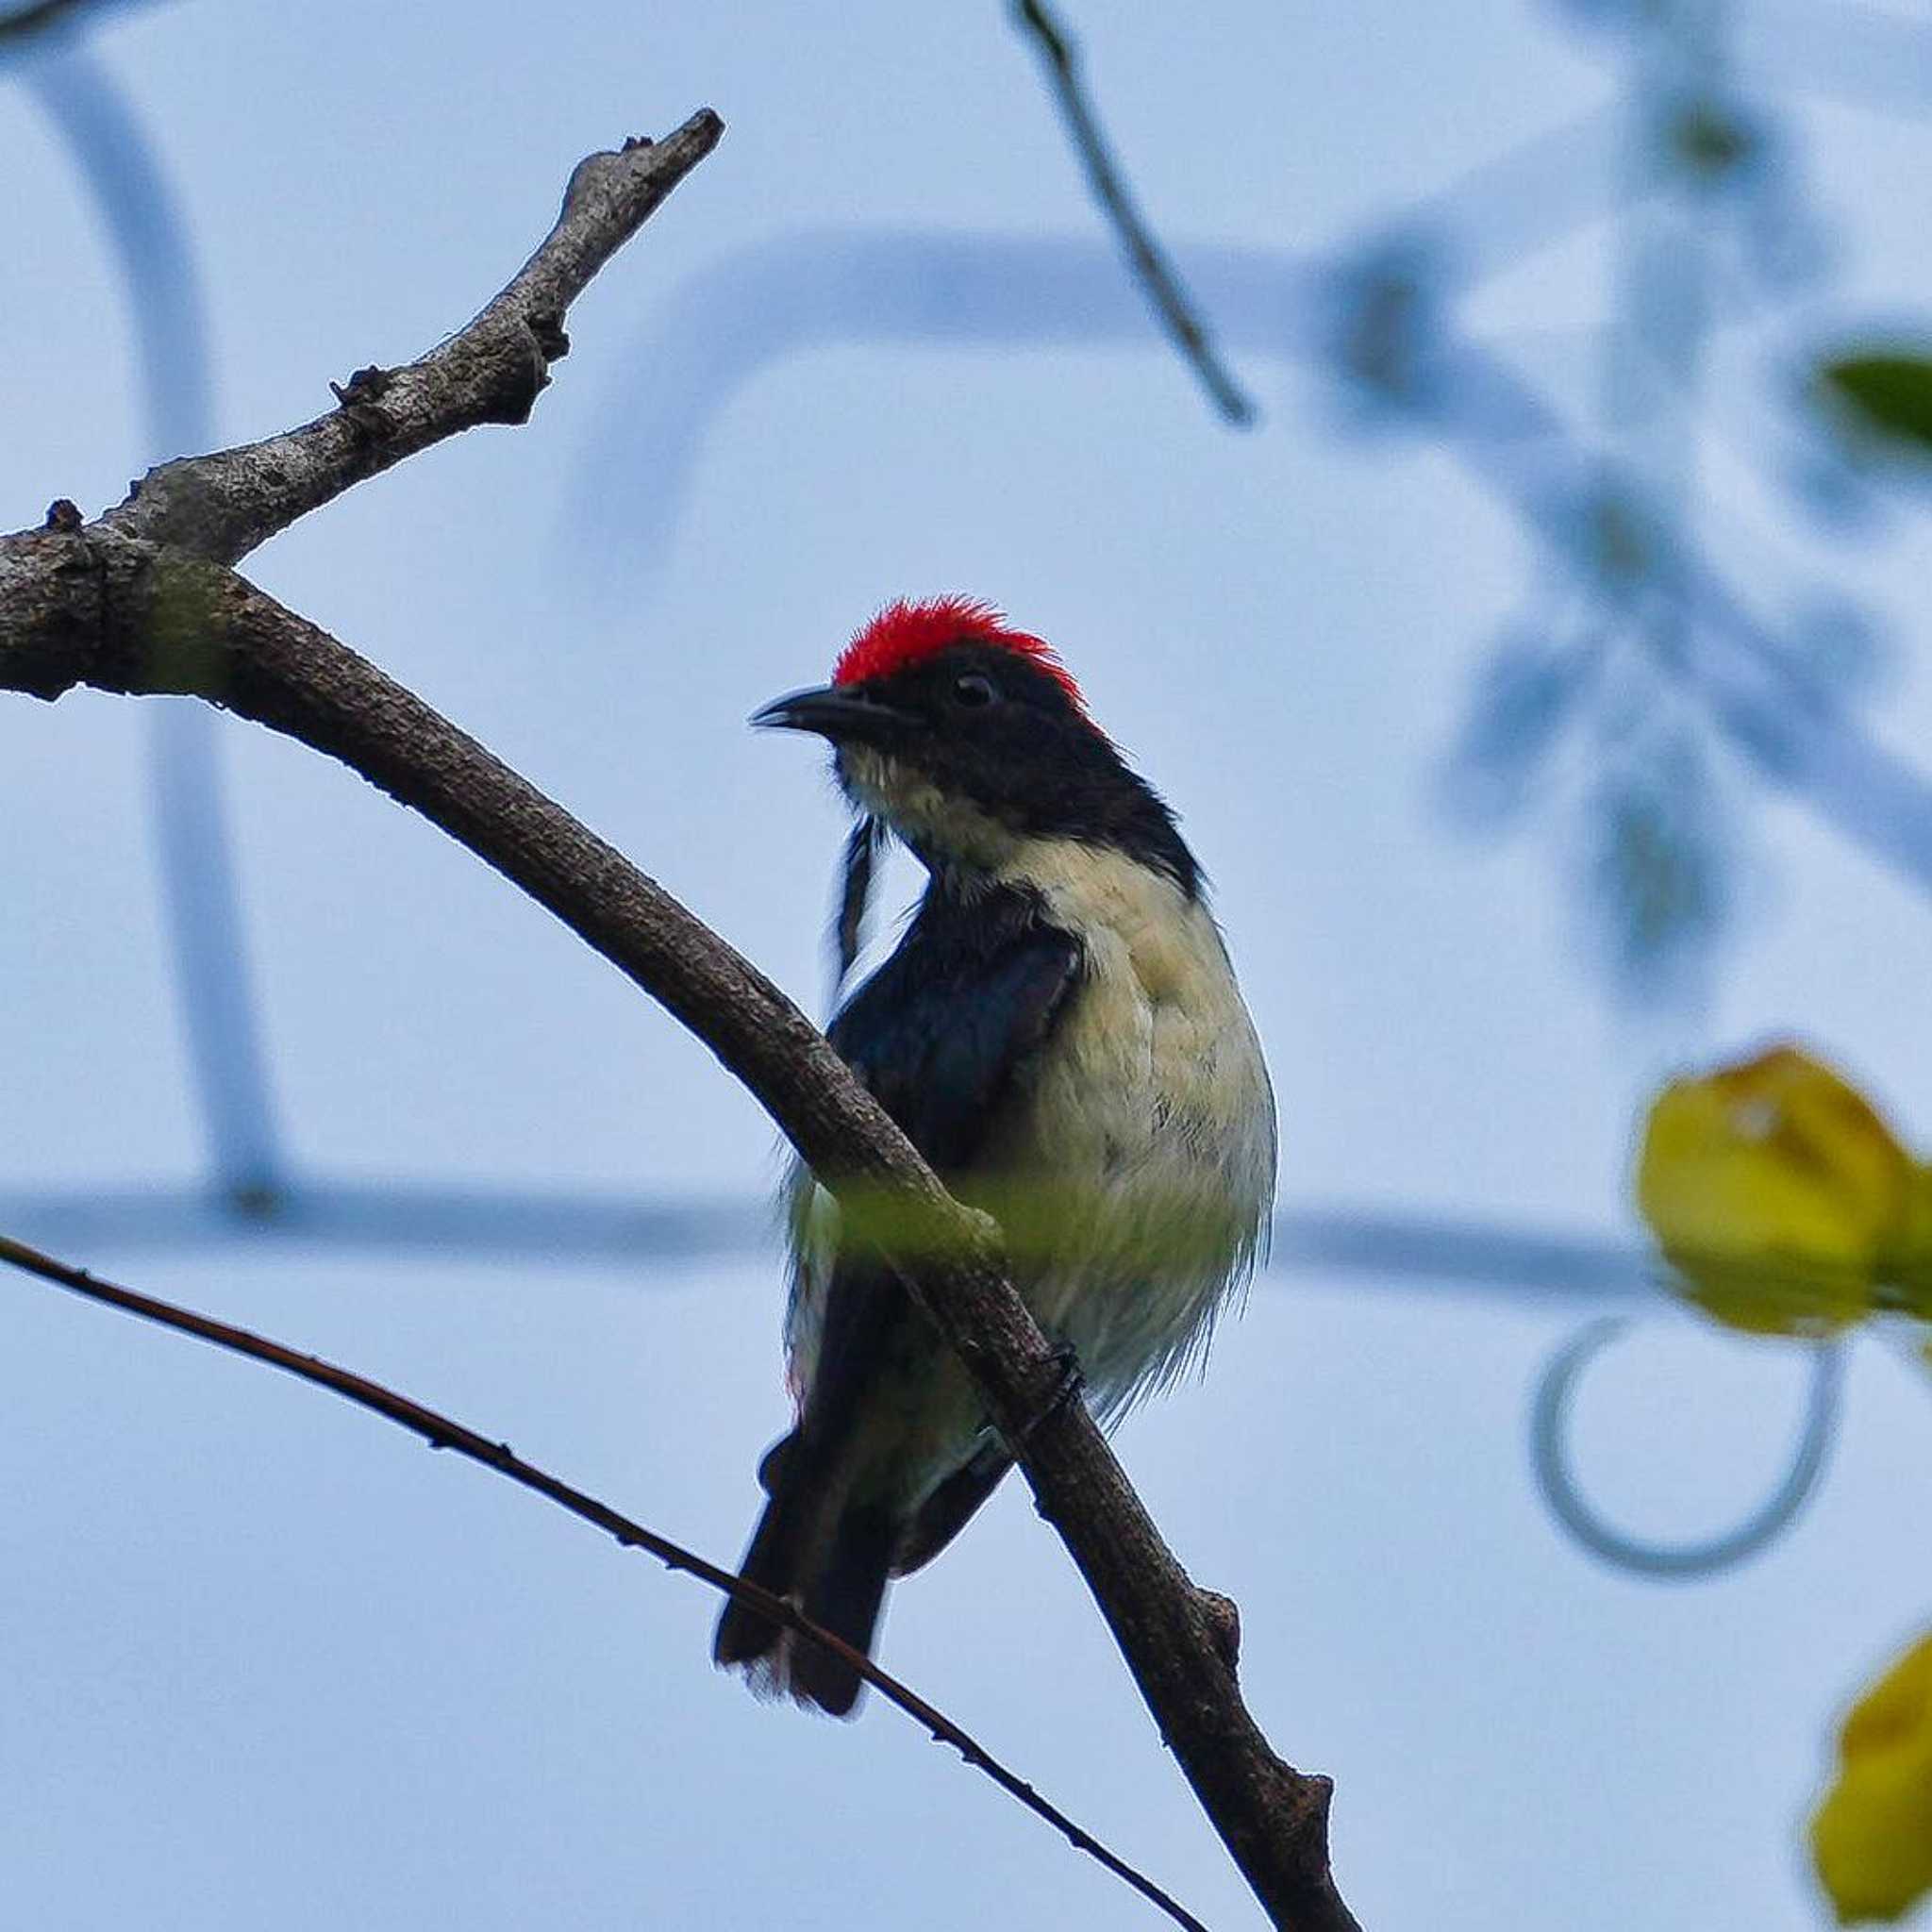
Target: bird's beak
[(842, 715)]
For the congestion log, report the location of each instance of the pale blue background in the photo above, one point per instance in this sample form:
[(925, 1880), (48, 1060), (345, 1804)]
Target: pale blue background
[(267, 1662)]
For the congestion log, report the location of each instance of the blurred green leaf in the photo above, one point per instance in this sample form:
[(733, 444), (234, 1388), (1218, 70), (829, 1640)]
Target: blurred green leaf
[(1520, 700), (1656, 870), (1886, 390), (1710, 138)]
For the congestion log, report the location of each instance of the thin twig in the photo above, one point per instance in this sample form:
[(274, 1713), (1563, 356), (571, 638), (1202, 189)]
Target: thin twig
[(316, 1208), (441, 1432), (1156, 276)]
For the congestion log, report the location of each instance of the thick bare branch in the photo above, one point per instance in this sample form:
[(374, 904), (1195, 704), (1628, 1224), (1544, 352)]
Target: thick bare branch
[(89, 606), (441, 1432), (220, 507), (141, 602)]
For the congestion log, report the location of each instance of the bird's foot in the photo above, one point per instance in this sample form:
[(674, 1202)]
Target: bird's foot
[(1067, 1386)]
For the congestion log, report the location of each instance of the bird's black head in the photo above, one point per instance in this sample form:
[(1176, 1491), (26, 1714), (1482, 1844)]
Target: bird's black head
[(969, 738)]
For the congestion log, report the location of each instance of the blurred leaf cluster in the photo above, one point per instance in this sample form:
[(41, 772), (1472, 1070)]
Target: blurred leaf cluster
[(1872, 1836), (1789, 1207), (1784, 1200), (1591, 706)]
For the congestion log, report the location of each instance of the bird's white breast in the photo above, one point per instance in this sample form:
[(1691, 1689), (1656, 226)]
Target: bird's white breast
[(1134, 1177), (1149, 1120)]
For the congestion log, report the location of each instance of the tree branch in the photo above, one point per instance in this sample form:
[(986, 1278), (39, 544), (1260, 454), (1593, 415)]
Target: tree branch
[(113, 605), (440, 1432), (220, 507), (87, 606)]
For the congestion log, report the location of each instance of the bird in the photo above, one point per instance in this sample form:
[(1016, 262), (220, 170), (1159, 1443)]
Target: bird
[(1060, 1034)]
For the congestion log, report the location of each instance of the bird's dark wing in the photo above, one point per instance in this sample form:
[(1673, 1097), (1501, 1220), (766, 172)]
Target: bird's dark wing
[(940, 1035), (950, 1508)]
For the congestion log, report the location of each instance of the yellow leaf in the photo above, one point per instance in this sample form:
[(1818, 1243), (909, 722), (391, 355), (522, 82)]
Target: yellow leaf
[(1777, 1191), (1872, 1836), (1912, 1277)]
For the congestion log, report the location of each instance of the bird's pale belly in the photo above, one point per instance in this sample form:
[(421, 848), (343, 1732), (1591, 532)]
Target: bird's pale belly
[(1153, 1122), (1132, 1180)]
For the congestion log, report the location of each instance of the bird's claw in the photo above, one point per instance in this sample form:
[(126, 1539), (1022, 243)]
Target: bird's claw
[(1068, 1387)]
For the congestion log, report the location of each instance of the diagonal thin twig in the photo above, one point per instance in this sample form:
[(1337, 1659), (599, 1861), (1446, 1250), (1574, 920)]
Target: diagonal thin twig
[(1158, 276), (441, 1432)]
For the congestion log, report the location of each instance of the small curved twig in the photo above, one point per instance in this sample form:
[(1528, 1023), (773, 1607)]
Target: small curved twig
[(1563, 1494), (1157, 275), (441, 1432)]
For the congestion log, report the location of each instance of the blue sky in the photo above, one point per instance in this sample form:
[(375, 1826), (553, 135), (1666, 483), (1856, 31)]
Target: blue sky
[(270, 1660)]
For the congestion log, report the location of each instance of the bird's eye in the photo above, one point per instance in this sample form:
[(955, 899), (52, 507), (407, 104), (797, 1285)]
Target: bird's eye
[(972, 692)]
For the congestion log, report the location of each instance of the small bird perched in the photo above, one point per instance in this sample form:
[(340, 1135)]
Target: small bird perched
[(1059, 1034)]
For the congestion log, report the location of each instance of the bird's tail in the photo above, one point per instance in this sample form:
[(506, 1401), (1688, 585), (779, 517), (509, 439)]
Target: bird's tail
[(831, 1557)]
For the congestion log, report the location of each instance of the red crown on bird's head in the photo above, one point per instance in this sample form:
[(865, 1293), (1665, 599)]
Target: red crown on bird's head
[(910, 630)]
